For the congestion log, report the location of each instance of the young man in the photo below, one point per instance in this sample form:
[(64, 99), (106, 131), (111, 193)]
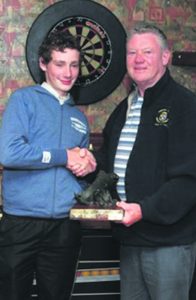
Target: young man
[(40, 127), (150, 142)]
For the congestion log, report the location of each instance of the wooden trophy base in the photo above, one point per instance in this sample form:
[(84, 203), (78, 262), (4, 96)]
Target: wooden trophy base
[(92, 213)]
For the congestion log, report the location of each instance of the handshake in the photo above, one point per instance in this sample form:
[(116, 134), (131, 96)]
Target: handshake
[(80, 161)]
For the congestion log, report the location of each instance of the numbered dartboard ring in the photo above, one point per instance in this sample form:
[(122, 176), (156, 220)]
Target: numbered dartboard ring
[(102, 41)]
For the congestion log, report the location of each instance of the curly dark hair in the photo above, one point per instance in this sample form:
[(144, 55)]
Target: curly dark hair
[(56, 40)]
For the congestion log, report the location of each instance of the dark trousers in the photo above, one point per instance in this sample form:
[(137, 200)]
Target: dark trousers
[(47, 247), (160, 273)]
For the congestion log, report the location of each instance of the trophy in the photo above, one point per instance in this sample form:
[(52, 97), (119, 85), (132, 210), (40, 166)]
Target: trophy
[(96, 203)]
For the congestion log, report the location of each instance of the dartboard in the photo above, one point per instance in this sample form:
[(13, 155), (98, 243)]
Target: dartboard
[(101, 38), (94, 44)]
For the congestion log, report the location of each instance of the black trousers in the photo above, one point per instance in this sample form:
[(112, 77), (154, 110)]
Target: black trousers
[(47, 247)]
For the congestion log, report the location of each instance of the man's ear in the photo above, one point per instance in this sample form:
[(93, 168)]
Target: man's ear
[(166, 57), (42, 64)]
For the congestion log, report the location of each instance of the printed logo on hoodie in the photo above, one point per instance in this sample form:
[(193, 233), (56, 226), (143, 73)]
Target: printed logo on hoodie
[(78, 125)]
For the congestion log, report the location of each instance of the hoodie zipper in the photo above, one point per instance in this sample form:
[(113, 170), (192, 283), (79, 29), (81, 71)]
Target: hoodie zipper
[(55, 176)]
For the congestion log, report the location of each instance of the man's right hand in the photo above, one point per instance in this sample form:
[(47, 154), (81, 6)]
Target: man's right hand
[(80, 161)]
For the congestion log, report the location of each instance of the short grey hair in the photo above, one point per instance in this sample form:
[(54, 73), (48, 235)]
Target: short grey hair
[(148, 28)]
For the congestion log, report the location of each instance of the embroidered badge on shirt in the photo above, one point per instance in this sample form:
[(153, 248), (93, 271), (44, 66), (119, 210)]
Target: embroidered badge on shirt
[(46, 157), (162, 117), (78, 125)]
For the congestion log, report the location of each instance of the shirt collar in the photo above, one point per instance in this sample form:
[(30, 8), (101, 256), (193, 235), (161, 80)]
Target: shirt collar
[(51, 90)]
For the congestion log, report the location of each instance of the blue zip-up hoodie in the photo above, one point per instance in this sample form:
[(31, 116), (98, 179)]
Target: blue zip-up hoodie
[(36, 131)]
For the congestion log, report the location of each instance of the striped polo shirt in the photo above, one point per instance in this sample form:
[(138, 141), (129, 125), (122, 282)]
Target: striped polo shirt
[(125, 144)]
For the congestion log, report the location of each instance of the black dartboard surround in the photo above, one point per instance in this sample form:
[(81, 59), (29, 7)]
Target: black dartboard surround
[(102, 40)]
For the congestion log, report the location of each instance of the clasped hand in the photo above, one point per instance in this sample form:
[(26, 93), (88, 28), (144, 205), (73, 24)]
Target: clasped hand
[(80, 161)]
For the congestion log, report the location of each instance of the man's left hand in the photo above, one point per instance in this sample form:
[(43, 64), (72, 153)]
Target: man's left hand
[(132, 212)]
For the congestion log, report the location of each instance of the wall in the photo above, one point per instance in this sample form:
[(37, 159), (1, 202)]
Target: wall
[(176, 17)]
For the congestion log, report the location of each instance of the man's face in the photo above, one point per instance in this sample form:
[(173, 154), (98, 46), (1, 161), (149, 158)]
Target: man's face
[(63, 69), (146, 60)]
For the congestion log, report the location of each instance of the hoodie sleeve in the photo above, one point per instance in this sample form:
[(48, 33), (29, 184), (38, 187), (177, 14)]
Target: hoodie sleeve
[(15, 149)]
